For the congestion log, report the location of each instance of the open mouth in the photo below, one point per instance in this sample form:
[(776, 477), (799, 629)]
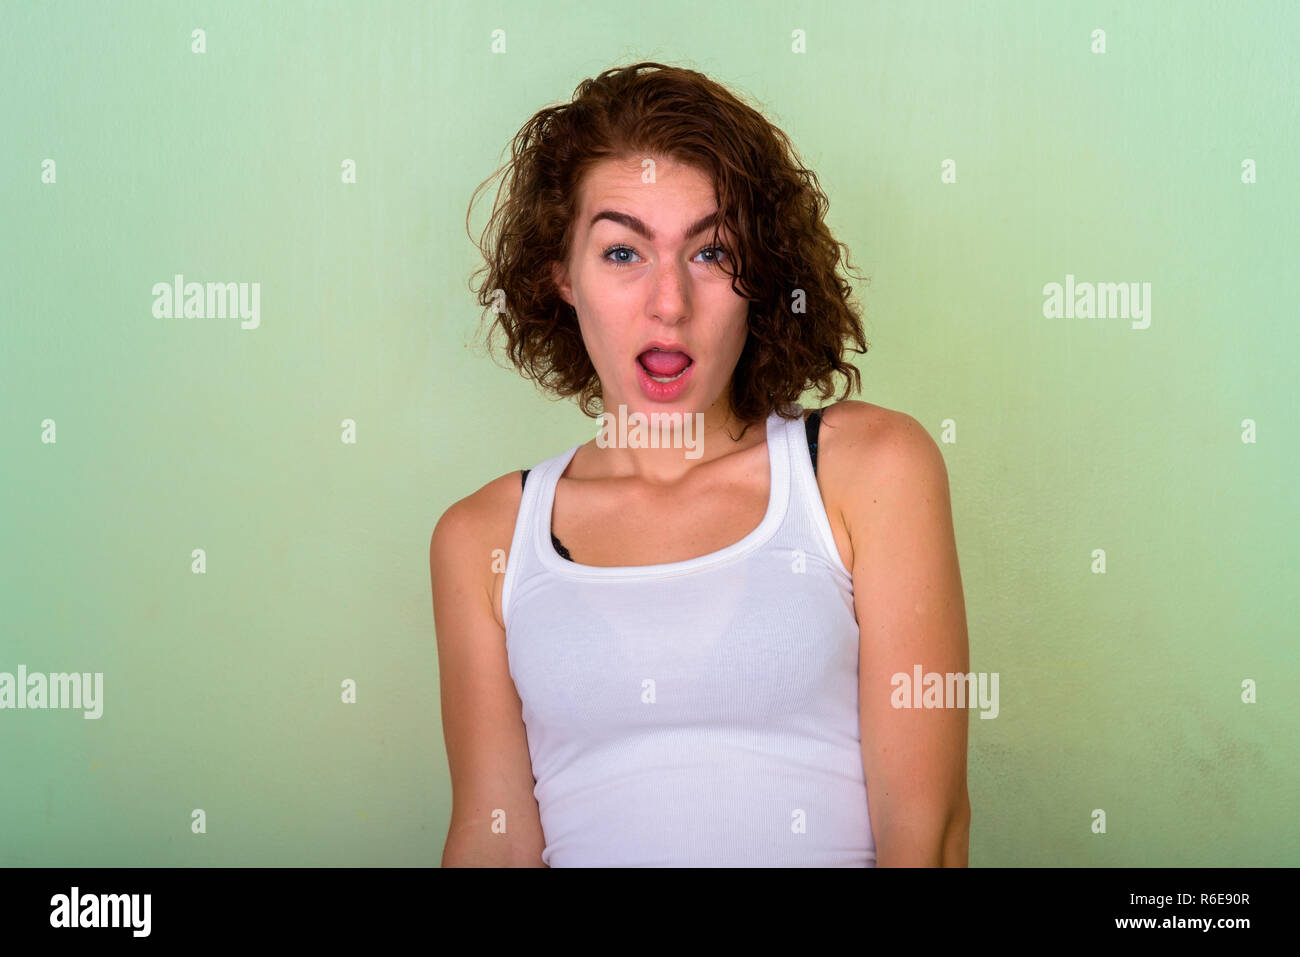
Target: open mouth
[(664, 367)]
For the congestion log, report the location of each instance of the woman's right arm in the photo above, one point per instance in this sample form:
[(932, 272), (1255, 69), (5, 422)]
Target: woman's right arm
[(494, 816)]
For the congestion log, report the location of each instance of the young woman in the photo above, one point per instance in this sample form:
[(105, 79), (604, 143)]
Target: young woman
[(682, 656)]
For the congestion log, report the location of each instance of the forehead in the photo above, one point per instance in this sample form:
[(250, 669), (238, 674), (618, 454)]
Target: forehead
[(664, 195)]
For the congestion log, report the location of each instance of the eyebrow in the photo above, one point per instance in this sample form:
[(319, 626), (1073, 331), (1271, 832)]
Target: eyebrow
[(634, 224)]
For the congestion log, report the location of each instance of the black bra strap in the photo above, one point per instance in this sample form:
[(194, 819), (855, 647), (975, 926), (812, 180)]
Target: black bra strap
[(563, 552), (811, 425)]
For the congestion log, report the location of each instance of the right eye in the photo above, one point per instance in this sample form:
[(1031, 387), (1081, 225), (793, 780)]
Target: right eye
[(618, 249)]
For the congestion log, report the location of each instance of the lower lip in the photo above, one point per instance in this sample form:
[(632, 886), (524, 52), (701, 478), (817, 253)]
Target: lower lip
[(663, 391)]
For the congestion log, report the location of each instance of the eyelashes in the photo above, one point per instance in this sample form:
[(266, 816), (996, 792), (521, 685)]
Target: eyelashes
[(619, 247)]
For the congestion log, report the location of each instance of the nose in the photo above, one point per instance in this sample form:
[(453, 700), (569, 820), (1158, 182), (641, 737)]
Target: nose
[(670, 292)]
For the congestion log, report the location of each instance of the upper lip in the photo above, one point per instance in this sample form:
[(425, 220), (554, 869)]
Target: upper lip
[(664, 346)]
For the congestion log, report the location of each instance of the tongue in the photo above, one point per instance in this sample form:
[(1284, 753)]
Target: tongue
[(664, 363)]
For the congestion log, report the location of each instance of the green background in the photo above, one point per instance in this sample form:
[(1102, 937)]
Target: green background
[(1119, 691)]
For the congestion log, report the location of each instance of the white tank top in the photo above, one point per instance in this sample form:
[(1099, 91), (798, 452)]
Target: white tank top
[(700, 713)]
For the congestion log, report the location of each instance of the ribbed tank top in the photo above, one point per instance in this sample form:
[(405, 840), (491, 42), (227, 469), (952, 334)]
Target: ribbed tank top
[(699, 713)]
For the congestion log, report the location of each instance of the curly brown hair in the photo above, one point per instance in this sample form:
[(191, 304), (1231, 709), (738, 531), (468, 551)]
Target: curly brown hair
[(766, 198)]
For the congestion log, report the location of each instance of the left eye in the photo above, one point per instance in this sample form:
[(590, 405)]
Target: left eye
[(612, 250)]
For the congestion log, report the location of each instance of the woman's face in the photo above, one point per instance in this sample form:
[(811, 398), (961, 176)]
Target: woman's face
[(642, 272)]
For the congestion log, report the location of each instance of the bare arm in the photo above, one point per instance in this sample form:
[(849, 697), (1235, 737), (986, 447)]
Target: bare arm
[(494, 817), (911, 611)]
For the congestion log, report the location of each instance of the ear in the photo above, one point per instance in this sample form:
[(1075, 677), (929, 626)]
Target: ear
[(560, 276)]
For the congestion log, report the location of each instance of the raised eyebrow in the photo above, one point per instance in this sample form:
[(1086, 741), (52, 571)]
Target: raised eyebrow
[(637, 226)]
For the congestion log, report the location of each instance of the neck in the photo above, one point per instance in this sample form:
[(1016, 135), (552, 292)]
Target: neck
[(661, 447)]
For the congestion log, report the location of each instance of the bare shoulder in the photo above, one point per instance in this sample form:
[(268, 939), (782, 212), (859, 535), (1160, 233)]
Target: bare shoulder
[(868, 435), (485, 515), (853, 421), (871, 453), (473, 528)]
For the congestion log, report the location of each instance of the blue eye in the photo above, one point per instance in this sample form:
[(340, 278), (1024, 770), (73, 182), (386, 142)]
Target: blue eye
[(619, 264), (619, 249)]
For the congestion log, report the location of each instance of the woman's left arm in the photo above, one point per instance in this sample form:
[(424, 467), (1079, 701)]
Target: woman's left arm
[(911, 614)]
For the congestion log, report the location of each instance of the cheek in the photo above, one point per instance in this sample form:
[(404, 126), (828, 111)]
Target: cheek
[(740, 332), (742, 325), (601, 346)]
